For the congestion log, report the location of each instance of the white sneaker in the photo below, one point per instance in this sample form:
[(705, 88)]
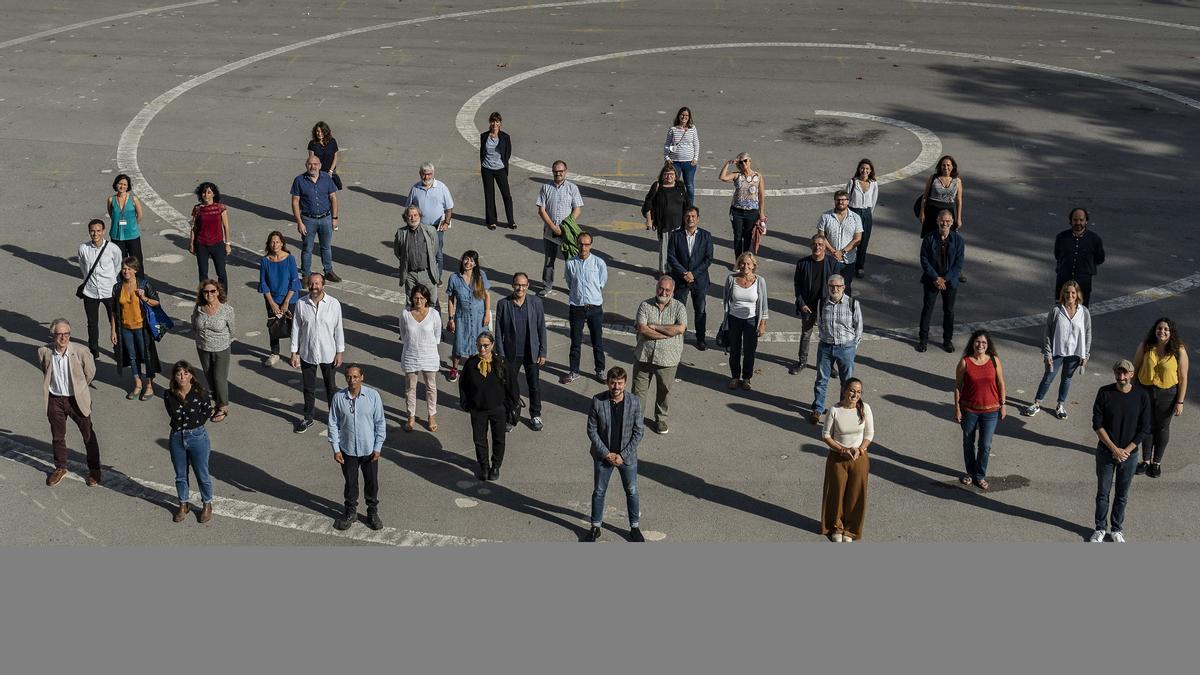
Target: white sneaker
[(835, 536), (1032, 409), (1118, 537), (1098, 535), (1061, 412), (271, 360)]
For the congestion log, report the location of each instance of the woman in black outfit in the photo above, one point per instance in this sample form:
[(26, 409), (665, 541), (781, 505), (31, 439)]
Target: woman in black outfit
[(664, 207), (495, 148), (325, 148), (488, 391)]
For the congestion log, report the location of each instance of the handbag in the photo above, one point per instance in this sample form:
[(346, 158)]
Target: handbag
[(723, 334), (757, 234), (280, 327), (157, 321), (79, 290)]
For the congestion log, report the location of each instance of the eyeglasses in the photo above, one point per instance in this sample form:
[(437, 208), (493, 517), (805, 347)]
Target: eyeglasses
[(837, 285), (66, 334), (484, 345), (209, 290), (520, 285)]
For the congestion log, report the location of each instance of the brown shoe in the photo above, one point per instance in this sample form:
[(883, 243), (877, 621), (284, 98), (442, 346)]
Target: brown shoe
[(182, 512), (55, 477), (814, 417), (93, 478), (205, 513), (735, 383)]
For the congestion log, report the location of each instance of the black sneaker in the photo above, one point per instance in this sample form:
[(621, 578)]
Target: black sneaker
[(635, 534), (302, 426), (347, 519), (795, 368), (859, 274), (536, 423), (494, 473), (1154, 470), (374, 522), (948, 346), (1141, 468), (600, 376), (701, 346), (922, 346), (593, 535)]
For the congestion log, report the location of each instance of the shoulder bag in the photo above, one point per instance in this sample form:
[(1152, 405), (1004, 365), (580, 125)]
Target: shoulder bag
[(79, 290)]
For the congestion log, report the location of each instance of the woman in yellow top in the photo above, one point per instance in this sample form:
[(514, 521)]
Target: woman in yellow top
[(135, 346), (1161, 363)]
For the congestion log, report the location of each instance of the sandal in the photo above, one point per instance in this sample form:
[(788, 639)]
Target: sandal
[(411, 424), (137, 386), (982, 483), (147, 392), (965, 480), (220, 415), (433, 422)]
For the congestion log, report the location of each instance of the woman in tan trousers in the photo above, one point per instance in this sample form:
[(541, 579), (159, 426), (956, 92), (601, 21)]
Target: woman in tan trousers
[(848, 431)]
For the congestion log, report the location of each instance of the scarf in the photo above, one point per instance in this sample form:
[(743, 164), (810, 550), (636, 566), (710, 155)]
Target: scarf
[(485, 366)]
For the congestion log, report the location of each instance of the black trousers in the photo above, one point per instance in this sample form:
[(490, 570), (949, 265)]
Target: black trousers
[(931, 294), (370, 473), (593, 316), (532, 381), (91, 306), (308, 372), (1085, 285), (217, 253), (480, 421), (1162, 409), (500, 177), (698, 294), (133, 248)]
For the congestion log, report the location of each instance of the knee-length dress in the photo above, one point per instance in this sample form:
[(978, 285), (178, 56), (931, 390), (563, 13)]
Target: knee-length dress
[(468, 313)]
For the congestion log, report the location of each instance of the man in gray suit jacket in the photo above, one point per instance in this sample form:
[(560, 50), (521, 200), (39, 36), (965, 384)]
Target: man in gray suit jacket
[(521, 340), (68, 369), (416, 249), (615, 428)]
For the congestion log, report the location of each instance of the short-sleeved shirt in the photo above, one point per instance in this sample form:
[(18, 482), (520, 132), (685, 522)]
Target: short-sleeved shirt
[(433, 201), (325, 153), (667, 351), (314, 196), (840, 234), (207, 219), (559, 201)]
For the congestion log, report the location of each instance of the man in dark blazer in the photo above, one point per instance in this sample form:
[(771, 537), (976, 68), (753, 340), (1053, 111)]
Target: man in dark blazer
[(689, 255), (615, 427), (68, 369), (942, 254), (521, 340)]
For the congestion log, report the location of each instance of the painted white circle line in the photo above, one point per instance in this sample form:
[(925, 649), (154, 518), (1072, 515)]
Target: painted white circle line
[(93, 22), (1071, 12)]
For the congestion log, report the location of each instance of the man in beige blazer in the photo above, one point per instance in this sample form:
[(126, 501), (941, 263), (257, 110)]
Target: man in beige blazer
[(69, 369)]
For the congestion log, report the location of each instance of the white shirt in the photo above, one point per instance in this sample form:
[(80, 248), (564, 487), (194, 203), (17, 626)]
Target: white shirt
[(691, 240), (860, 199), (1070, 333), (317, 330), (107, 270), (421, 341), (60, 373)]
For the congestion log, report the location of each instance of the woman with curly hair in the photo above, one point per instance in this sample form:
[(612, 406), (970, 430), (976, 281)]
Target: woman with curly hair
[(1161, 363)]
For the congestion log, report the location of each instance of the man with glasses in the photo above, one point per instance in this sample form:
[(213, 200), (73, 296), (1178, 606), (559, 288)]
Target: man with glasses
[(587, 275), (808, 282), (521, 340), (661, 322), (557, 200), (843, 231), (942, 255), (488, 391), (416, 249), (840, 325), (100, 265), (433, 198), (356, 432), (68, 369)]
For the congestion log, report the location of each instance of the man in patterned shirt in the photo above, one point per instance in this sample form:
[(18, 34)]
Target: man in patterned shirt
[(661, 322)]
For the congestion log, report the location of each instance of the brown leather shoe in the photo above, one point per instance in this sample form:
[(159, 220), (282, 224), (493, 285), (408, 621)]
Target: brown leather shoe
[(182, 512), (93, 478), (206, 513), (55, 477)]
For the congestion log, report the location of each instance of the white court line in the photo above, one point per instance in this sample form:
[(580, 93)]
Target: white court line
[(1072, 12), (93, 22), (236, 508)]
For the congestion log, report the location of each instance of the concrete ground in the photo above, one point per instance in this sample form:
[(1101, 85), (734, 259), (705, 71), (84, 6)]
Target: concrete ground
[(1044, 106)]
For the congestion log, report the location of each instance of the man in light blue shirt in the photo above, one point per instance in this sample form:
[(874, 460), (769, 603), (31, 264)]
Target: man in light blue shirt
[(586, 277), (437, 206), (357, 432)]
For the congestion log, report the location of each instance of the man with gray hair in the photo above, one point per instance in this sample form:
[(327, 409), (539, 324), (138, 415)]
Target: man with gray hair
[(661, 322), (68, 368), (840, 326), (437, 206), (416, 248)]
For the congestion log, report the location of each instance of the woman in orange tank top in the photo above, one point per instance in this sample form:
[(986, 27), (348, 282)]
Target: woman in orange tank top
[(978, 404)]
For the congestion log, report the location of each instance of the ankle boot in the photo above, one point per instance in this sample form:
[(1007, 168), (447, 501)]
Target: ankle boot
[(206, 513), (182, 512)]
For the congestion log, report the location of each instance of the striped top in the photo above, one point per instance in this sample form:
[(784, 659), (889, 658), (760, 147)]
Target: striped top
[(682, 145)]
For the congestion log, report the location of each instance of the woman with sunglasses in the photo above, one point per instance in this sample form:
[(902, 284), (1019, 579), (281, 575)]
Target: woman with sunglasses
[(748, 208), (213, 328), (488, 391), (848, 431)]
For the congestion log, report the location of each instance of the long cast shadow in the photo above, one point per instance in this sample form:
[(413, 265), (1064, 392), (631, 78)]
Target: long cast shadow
[(1012, 425), (52, 263)]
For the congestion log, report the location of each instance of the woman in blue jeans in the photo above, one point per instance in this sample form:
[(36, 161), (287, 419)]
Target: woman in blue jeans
[(135, 345), (682, 149), (189, 407), (979, 394), (1066, 345)]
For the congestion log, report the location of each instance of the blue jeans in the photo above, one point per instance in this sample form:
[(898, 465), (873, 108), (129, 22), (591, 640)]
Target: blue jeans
[(827, 355), (602, 472), (191, 446), (975, 456), (134, 344), (317, 227), (687, 171), (1064, 385), (1107, 469)]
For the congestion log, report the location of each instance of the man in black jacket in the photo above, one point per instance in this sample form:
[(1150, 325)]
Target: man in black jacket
[(1077, 253), (811, 274)]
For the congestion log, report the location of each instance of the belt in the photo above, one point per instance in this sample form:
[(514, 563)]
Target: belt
[(314, 215), (57, 396)]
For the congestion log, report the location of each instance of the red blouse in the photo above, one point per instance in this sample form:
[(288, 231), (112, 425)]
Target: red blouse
[(209, 229), (980, 388)]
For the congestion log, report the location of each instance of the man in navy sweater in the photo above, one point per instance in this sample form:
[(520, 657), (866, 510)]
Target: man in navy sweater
[(1121, 419)]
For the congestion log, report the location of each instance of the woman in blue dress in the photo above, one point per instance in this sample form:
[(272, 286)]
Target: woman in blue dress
[(470, 308)]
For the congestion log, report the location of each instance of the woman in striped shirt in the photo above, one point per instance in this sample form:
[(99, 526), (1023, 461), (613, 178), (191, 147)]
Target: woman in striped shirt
[(682, 148)]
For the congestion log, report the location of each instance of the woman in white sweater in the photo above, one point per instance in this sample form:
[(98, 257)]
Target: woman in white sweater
[(1066, 345), (848, 431), (421, 332)]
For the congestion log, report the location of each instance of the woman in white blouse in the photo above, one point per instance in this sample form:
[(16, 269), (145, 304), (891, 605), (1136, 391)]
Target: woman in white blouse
[(421, 332), (1066, 345), (682, 148), (848, 431), (864, 195)]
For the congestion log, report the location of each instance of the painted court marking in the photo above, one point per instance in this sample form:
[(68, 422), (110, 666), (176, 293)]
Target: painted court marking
[(127, 149), (229, 507), (93, 22), (1092, 15)]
